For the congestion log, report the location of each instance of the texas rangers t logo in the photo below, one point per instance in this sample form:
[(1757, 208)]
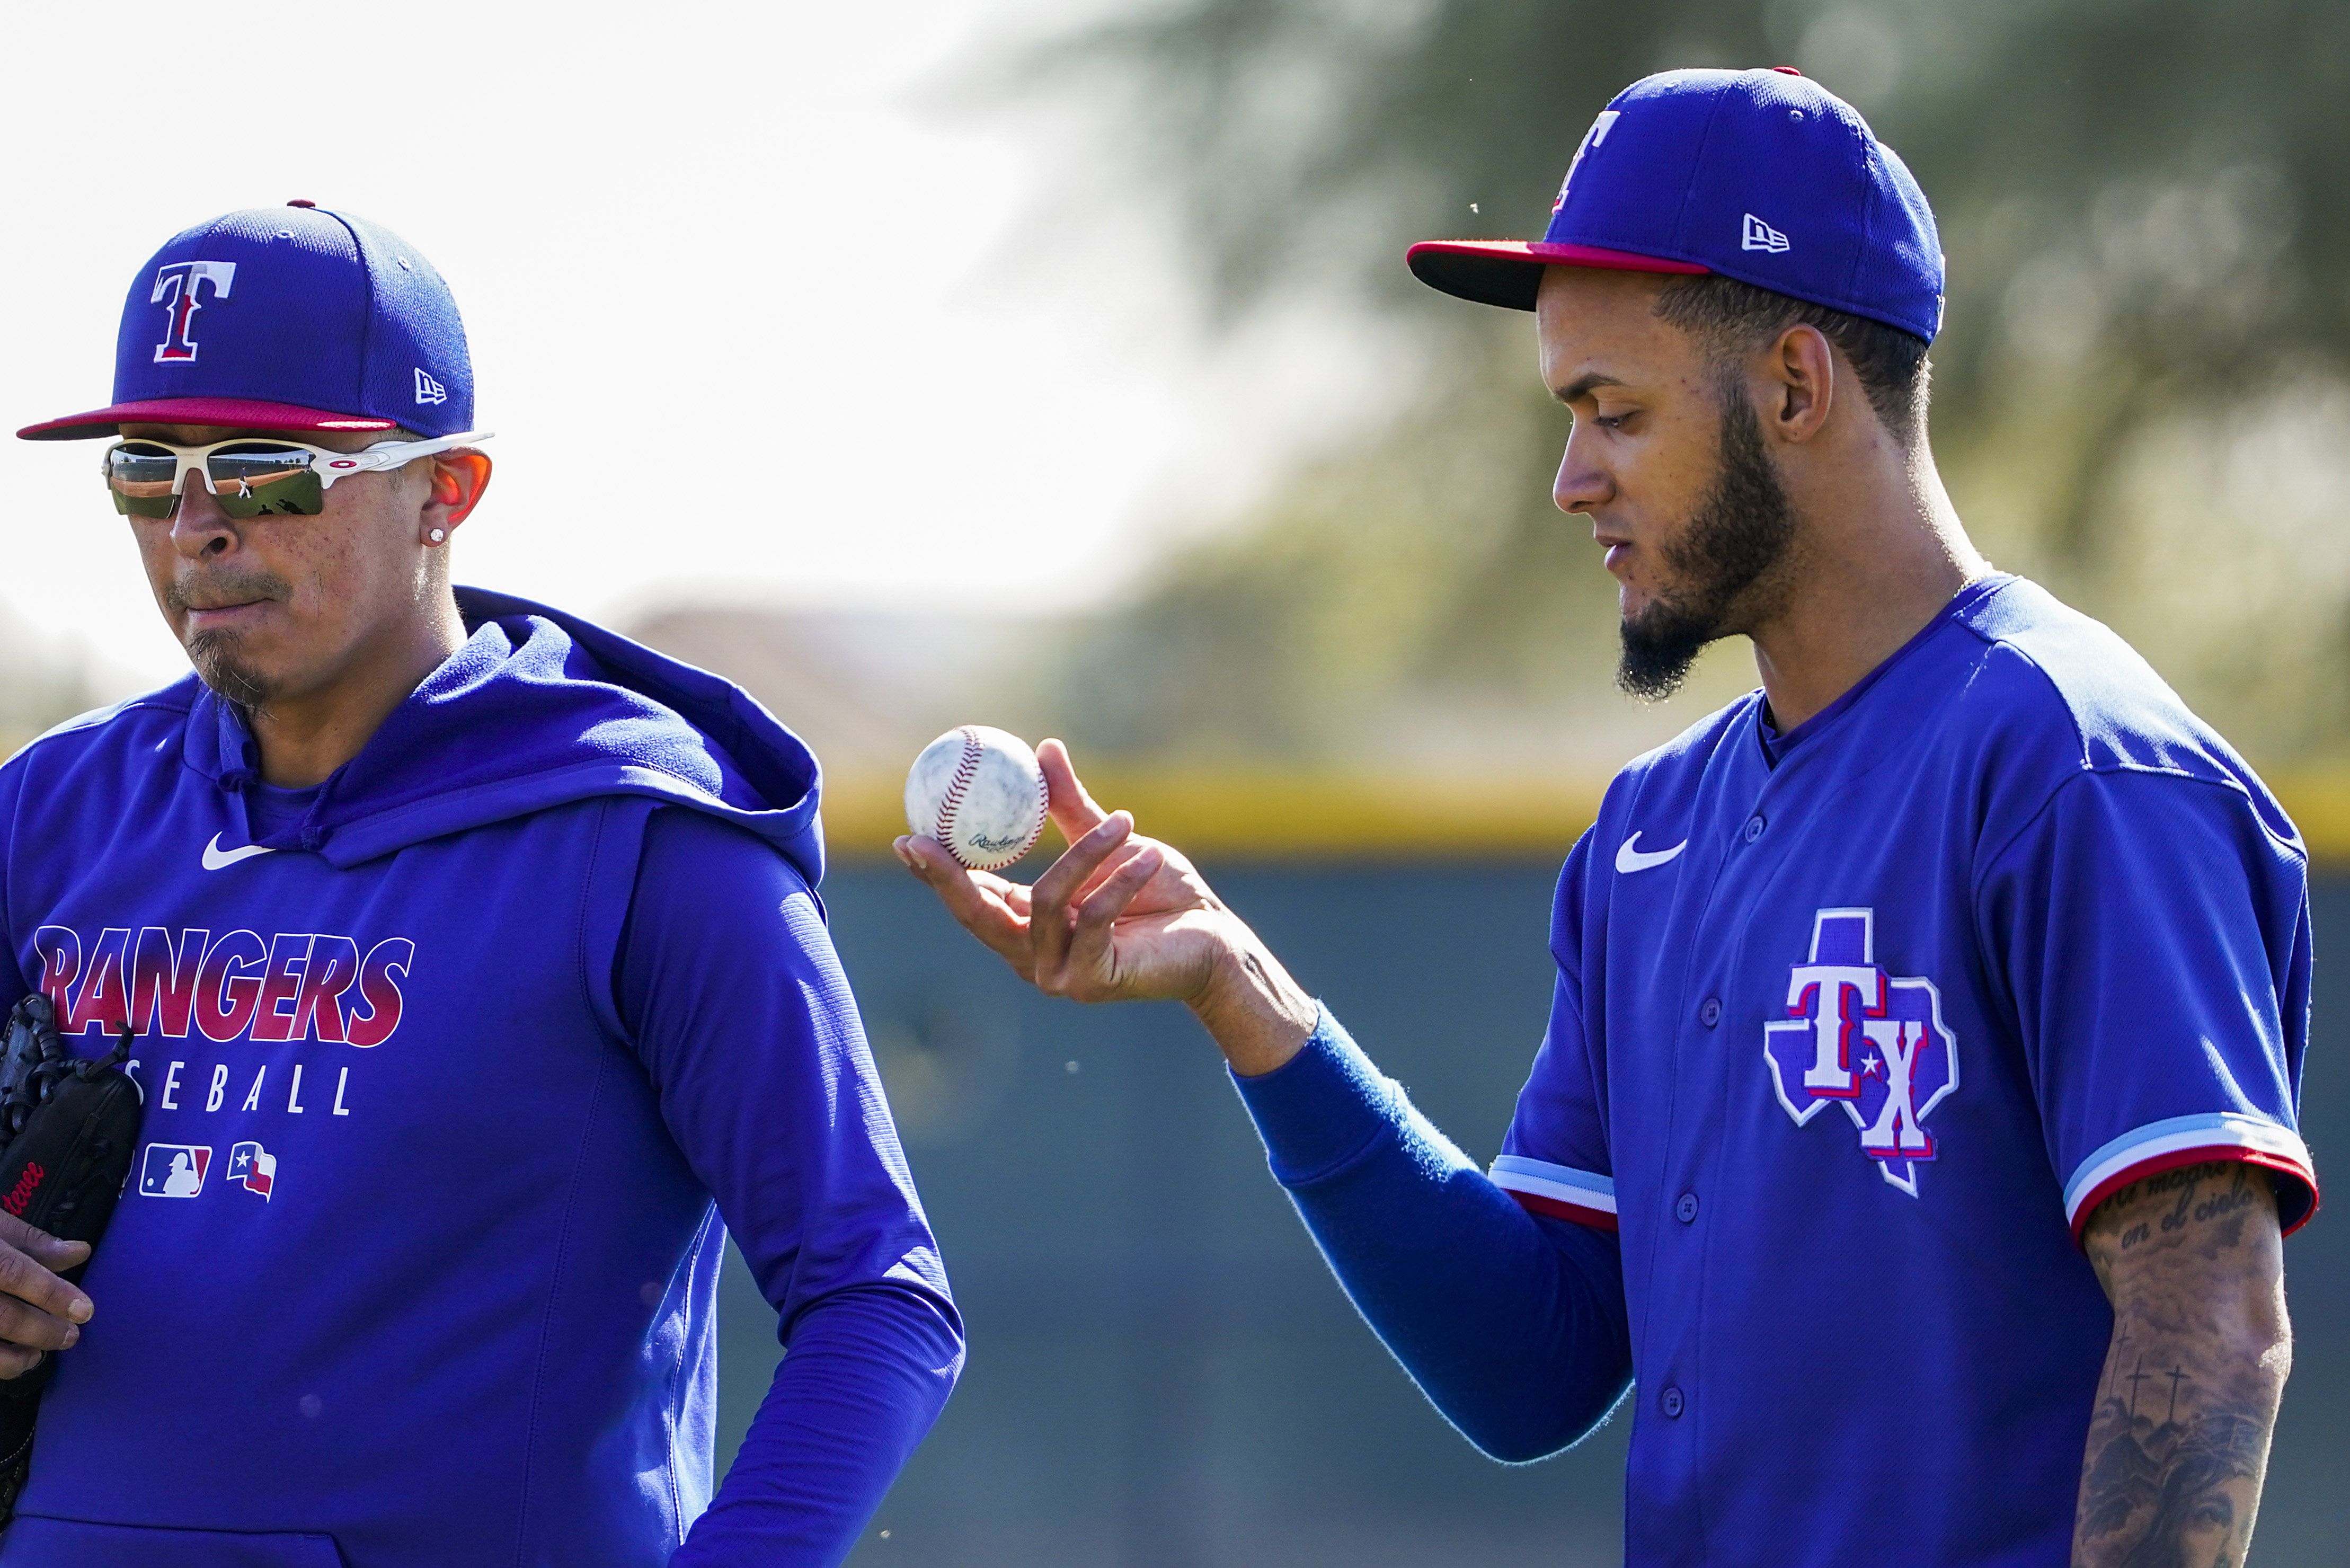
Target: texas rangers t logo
[(176, 287), (1592, 138), (1870, 1042)]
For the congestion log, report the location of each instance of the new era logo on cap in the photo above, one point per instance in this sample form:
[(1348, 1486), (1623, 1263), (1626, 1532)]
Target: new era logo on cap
[(429, 390), (1758, 236), (1675, 176)]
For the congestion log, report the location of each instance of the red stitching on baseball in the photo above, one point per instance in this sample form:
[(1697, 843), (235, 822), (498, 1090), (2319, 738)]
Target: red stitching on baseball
[(966, 771)]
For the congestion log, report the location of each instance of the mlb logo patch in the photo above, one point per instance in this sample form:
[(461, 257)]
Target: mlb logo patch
[(252, 1168), (174, 1170)]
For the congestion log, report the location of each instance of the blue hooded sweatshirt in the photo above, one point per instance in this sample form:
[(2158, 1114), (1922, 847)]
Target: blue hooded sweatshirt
[(446, 1062)]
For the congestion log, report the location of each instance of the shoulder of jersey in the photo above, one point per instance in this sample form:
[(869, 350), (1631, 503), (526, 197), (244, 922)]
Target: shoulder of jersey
[(2052, 675), (112, 725)]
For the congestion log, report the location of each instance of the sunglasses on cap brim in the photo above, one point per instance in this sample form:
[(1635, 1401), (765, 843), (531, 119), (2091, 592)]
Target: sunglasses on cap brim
[(250, 476)]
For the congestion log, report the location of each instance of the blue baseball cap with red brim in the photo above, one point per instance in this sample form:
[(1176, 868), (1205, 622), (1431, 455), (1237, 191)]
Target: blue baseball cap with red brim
[(285, 318), (1761, 175)]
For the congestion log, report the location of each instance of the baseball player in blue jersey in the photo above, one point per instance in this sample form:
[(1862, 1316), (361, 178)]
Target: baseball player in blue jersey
[(1915, 1126), (478, 989)]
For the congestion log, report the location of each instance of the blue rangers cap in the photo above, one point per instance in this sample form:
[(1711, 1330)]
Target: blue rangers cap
[(285, 318), (1759, 175)]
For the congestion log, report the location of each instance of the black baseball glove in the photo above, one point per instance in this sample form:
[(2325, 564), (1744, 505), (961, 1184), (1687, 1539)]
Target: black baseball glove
[(68, 1131)]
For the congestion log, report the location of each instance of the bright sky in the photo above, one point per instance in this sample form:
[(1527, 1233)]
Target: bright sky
[(736, 279)]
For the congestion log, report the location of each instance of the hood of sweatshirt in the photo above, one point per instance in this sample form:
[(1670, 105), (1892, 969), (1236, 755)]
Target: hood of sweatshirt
[(538, 709)]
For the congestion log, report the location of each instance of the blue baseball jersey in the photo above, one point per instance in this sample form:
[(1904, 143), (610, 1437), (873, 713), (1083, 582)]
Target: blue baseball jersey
[(1855, 1026)]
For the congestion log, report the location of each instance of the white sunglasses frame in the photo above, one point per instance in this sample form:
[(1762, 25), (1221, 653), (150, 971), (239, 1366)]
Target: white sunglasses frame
[(326, 464)]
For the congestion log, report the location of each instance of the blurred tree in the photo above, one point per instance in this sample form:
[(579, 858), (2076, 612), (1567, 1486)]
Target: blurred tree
[(39, 686), (2140, 394)]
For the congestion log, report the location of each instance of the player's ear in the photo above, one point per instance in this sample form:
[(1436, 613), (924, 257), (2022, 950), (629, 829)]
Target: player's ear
[(1800, 372), (459, 478)]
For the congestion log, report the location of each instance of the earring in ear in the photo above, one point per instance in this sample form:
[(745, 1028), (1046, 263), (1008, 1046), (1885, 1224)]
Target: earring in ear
[(438, 534)]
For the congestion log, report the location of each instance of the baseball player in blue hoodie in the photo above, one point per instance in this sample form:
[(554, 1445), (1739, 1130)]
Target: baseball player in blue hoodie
[(1915, 1123), (479, 989)]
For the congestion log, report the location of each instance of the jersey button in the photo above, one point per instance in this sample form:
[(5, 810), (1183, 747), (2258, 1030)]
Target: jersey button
[(1686, 1209), (1672, 1404), (1753, 828), (1709, 1014)]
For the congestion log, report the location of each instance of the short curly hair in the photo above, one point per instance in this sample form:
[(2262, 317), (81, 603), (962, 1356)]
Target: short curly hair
[(1730, 317)]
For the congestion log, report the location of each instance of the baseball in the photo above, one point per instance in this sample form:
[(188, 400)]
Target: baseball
[(979, 791)]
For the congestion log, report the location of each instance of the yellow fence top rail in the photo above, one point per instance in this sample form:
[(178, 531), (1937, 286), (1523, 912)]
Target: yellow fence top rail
[(1283, 815), (1312, 816)]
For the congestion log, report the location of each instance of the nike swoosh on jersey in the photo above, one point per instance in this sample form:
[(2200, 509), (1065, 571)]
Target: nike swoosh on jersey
[(215, 857), (1631, 858)]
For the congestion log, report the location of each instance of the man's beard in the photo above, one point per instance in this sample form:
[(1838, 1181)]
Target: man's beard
[(215, 653), (1740, 532)]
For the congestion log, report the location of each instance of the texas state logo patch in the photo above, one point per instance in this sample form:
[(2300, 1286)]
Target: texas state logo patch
[(1870, 1042)]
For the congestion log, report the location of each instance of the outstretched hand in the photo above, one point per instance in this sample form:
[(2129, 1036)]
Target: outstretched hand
[(1121, 918), (1118, 918)]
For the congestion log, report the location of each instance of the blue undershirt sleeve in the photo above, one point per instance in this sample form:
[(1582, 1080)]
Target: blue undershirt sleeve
[(729, 987), (1512, 1324)]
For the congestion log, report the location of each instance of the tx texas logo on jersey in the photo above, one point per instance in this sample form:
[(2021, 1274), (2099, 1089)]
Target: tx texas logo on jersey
[(1870, 1042), (253, 1167)]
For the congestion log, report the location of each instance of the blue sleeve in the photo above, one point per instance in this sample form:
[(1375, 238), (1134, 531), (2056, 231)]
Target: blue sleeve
[(729, 987), (2152, 934), (1512, 1324)]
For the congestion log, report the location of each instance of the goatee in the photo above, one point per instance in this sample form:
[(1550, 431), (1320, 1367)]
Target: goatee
[(215, 654), (1741, 531)]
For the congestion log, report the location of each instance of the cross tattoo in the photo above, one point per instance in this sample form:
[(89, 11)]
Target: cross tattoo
[(2177, 1377), (2134, 1379)]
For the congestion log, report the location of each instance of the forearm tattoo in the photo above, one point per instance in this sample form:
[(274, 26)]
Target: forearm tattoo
[(2178, 1443)]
